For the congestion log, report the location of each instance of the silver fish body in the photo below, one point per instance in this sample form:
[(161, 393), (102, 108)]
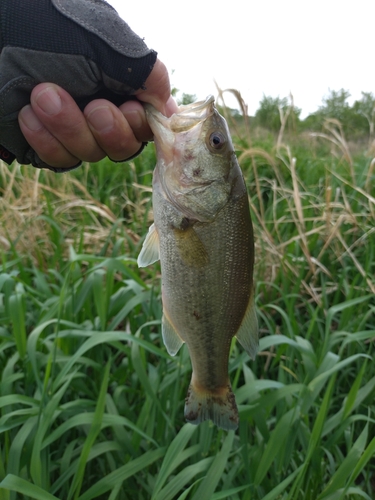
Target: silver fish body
[(203, 235)]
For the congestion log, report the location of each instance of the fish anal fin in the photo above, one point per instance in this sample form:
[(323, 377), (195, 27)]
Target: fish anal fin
[(247, 334), (219, 406), (150, 248), (171, 338)]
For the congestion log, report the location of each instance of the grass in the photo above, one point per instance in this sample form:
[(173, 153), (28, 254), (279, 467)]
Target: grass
[(91, 404)]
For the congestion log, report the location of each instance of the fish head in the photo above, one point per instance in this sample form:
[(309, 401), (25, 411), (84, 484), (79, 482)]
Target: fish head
[(195, 158)]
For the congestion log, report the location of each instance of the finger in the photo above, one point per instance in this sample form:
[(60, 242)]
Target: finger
[(48, 148), (135, 115), (119, 131), (158, 90), (61, 116)]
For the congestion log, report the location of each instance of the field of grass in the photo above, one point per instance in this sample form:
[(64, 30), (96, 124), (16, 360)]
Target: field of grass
[(91, 404)]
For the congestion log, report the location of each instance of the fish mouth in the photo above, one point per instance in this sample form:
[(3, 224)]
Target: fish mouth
[(191, 115), (186, 118), (197, 106), (196, 109)]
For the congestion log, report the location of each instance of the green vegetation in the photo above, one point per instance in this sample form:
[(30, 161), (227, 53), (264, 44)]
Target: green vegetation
[(272, 110), (357, 121), (91, 404)]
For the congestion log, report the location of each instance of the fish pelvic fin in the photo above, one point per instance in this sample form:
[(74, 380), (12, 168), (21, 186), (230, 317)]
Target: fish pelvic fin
[(247, 334), (171, 338), (219, 406), (150, 248)]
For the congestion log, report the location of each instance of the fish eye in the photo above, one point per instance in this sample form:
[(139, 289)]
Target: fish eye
[(217, 140)]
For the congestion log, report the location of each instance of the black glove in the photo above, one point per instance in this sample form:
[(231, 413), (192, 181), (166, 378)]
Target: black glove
[(80, 45)]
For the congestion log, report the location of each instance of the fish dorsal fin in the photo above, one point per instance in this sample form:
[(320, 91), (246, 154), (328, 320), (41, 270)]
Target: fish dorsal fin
[(150, 248), (247, 334), (171, 338)]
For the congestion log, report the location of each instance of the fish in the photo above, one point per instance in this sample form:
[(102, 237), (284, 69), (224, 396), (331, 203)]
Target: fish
[(203, 235)]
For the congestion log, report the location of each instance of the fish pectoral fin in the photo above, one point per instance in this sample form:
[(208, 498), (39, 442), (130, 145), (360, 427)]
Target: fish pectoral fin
[(150, 248), (171, 338), (247, 334)]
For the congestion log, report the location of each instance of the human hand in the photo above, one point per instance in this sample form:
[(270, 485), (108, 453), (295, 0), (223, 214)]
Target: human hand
[(94, 63), (62, 135)]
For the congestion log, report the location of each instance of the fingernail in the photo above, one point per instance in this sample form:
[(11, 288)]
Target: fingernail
[(134, 117), (101, 119), (49, 101), (28, 118)]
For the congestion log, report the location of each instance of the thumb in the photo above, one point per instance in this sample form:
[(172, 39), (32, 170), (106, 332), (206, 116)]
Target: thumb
[(157, 90)]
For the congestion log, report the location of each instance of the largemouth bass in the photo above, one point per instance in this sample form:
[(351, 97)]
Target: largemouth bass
[(203, 235)]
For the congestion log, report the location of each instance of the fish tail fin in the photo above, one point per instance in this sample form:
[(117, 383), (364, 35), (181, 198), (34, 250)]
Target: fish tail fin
[(219, 406)]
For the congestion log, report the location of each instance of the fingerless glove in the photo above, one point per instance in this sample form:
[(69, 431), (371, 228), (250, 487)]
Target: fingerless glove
[(81, 45)]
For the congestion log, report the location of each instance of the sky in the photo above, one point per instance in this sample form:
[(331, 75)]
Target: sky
[(269, 47)]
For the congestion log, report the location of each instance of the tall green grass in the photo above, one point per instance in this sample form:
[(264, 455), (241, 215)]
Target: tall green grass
[(91, 404)]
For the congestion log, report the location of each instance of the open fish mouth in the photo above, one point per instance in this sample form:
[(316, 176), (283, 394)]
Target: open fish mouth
[(195, 109), (191, 115), (197, 106), (187, 117)]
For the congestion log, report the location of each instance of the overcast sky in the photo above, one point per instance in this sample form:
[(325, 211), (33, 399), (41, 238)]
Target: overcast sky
[(270, 47)]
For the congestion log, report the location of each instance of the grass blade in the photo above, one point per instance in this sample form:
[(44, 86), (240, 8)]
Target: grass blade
[(350, 462), (214, 474), (184, 478), (171, 460), (281, 488), (19, 485), (91, 436), (118, 476), (276, 442), (17, 318)]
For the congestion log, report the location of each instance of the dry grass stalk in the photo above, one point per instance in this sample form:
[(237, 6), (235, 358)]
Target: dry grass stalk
[(20, 209), (243, 108), (328, 207), (370, 174), (336, 136), (364, 193), (369, 280), (296, 206), (284, 115), (300, 222), (23, 202), (252, 153)]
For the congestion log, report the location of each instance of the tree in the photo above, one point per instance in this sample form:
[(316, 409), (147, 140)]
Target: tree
[(366, 108), (335, 105), (268, 114), (187, 99)]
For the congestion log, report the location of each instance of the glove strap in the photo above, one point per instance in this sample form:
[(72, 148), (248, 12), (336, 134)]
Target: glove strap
[(6, 155)]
